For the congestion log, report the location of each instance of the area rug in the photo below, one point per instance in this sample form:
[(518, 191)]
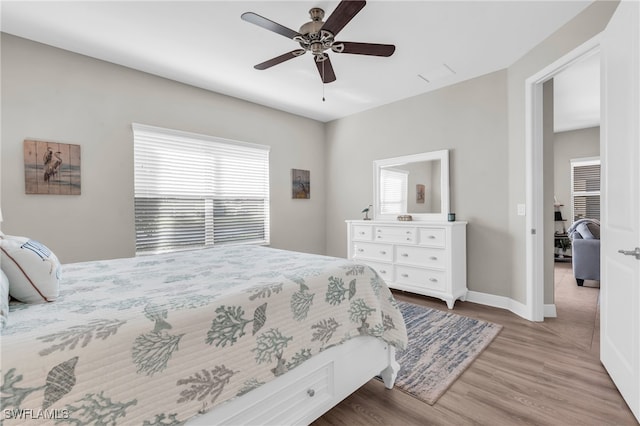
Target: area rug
[(441, 346)]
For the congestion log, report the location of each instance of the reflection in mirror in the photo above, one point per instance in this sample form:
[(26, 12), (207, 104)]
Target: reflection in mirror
[(416, 184), (411, 188)]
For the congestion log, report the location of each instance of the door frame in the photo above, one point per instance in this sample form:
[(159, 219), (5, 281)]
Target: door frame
[(535, 233)]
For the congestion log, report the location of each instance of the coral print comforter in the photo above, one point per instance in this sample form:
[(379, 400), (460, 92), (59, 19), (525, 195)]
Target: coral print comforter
[(154, 340)]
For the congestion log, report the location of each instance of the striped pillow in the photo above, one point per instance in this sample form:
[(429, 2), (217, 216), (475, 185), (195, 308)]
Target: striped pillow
[(33, 270)]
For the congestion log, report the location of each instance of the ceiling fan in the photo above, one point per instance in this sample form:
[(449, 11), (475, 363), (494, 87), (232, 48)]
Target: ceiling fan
[(318, 37)]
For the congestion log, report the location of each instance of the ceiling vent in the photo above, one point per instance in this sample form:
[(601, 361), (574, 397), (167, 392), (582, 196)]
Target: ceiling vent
[(437, 73)]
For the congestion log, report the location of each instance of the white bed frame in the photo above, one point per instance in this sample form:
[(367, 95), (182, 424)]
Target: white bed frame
[(305, 393)]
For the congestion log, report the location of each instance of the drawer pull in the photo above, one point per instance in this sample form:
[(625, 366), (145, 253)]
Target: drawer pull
[(361, 232), (433, 258), (360, 250), (405, 255), (311, 392), (405, 275), (409, 232), (383, 252), (432, 237), (382, 271), (433, 280), (408, 238)]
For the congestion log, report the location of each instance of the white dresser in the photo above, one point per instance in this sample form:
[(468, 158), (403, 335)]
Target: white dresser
[(428, 258)]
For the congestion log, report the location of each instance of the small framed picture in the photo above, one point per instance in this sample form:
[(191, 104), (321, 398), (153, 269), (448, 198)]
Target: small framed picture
[(300, 183), (420, 193)]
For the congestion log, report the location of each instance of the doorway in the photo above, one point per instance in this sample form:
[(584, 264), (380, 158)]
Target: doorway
[(540, 245), (575, 155)]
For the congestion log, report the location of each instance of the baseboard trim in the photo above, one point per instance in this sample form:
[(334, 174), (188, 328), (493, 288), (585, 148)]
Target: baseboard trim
[(507, 303), (550, 311), (488, 299)]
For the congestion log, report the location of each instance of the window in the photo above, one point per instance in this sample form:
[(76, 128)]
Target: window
[(195, 191), (393, 191), (585, 188)]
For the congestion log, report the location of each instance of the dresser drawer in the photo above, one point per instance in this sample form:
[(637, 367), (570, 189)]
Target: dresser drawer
[(372, 251), (385, 270), (362, 233), (434, 237), (431, 257), (425, 278), (395, 234)]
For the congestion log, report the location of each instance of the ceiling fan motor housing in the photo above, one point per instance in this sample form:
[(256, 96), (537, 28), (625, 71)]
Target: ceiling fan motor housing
[(313, 38)]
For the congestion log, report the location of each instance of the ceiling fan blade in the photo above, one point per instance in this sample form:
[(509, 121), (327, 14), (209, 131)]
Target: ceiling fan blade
[(279, 59), (268, 24), (341, 16), (326, 70), (372, 49)]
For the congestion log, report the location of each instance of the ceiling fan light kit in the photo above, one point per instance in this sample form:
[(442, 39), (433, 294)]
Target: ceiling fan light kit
[(318, 37)]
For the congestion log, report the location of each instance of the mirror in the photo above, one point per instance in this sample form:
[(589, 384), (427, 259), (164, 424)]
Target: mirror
[(416, 185)]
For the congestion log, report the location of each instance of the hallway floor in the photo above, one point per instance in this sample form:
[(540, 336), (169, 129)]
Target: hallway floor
[(578, 309)]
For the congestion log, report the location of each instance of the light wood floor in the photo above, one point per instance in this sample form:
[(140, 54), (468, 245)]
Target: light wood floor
[(532, 374)]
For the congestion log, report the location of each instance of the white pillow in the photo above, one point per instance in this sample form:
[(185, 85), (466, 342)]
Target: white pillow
[(33, 270), (4, 299)]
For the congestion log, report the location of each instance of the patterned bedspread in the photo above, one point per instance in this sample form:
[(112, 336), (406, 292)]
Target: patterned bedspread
[(153, 340)]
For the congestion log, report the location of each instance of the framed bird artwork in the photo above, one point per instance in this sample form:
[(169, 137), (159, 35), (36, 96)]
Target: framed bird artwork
[(51, 168)]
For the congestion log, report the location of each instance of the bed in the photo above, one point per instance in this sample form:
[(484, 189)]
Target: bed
[(224, 335)]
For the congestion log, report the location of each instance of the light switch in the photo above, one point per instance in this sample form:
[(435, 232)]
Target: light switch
[(522, 209)]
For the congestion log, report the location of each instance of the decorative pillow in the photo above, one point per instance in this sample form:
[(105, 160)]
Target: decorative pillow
[(595, 229), (4, 299), (584, 231), (33, 270)]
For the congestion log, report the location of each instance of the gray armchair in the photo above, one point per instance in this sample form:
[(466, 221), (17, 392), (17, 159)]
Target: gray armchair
[(585, 248)]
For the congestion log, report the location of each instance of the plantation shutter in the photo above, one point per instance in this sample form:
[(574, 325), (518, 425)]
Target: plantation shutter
[(585, 189), (393, 191), (194, 190)]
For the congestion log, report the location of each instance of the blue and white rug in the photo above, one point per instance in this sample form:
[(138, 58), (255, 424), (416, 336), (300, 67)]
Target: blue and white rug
[(441, 346)]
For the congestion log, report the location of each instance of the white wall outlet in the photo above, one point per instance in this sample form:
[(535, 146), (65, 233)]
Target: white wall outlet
[(522, 209)]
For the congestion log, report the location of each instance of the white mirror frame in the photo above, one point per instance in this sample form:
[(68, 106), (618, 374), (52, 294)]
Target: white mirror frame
[(443, 156)]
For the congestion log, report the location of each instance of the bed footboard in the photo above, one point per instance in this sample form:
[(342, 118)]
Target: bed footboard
[(305, 393), (390, 373)]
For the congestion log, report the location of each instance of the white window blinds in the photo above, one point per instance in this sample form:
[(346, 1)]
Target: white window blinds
[(393, 191), (585, 188), (194, 190)]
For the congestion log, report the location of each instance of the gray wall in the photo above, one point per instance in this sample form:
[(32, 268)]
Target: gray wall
[(488, 167), (548, 179), (568, 146), (55, 95), (51, 94), (469, 119)]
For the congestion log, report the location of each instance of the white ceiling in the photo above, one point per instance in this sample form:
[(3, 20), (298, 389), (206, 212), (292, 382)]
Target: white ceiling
[(206, 44), (576, 95)]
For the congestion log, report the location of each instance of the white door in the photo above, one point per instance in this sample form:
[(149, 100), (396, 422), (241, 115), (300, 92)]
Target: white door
[(620, 153)]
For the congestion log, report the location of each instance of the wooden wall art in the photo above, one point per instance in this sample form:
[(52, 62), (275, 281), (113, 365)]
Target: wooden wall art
[(51, 168)]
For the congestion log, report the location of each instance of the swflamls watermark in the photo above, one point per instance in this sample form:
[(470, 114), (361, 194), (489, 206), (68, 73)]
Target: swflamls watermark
[(37, 414)]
